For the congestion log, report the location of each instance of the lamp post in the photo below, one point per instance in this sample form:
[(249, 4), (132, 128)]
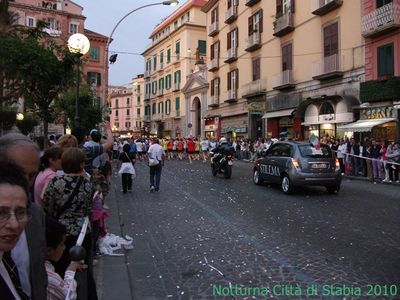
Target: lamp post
[(168, 2), (79, 45)]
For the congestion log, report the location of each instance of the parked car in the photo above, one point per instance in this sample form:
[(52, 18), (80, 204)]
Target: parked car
[(293, 164)]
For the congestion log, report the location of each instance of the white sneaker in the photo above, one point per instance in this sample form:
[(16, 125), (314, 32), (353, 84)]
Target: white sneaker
[(152, 189), (105, 206)]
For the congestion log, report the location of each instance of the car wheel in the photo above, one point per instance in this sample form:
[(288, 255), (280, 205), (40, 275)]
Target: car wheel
[(333, 189), (257, 177), (287, 185)]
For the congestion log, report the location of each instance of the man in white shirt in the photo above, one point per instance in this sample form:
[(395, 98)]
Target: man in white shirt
[(156, 152)]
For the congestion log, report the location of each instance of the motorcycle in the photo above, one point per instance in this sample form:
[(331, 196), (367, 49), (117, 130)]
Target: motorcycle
[(221, 163)]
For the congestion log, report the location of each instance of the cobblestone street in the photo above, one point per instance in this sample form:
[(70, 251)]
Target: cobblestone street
[(201, 234)]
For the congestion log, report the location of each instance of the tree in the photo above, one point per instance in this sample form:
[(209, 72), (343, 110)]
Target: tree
[(90, 110)]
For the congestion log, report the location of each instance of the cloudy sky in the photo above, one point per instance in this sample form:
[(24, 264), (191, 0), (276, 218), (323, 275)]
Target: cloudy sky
[(131, 36)]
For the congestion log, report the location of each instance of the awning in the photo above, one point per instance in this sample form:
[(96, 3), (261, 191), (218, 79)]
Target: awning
[(279, 113), (364, 125)]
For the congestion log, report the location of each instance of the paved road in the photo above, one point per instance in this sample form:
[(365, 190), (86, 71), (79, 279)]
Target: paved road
[(200, 236)]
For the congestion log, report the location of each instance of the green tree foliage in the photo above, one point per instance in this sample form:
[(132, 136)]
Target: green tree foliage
[(90, 111)]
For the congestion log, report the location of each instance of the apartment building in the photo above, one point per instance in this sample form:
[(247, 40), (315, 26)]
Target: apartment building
[(122, 112), (138, 106), (64, 18), (380, 93), (283, 67), (169, 59)]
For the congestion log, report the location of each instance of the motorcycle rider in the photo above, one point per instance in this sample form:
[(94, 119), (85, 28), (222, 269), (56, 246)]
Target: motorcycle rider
[(223, 148)]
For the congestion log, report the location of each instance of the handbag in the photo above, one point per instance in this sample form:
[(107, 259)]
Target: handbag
[(68, 203), (153, 162)]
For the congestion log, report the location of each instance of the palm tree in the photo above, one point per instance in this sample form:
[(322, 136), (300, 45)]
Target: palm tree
[(8, 20)]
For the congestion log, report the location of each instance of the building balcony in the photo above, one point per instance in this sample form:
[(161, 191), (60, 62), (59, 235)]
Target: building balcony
[(177, 57), (283, 80), (177, 114), (381, 20), (214, 101), (254, 88), (251, 2), (231, 55), (160, 92), (52, 32), (327, 68), (147, 96), (213, 65), (158, 117), (161, 66), (176, 87), (380, 90), (231, 96), (253, 42), (147, 74), (283, 25), (213, 29), (231, 14), (146, 118), (322, 7)]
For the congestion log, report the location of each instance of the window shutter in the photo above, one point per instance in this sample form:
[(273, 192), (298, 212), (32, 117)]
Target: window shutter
[(237, 78), (212, 87), (292, 6), (229, 80), (218, 86), (202, 46), (237, 38), (250, 26), (218, 50), (216, 14), (228, 40), (229, 4), (260, 24), (212, 51)]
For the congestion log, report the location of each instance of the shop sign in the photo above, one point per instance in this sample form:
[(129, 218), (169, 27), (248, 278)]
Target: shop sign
[(285, 122), (379, 112), (209, 127), (234, 129), (256, 107)]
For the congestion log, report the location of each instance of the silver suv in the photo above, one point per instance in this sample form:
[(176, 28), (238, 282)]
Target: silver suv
[(293, 164)]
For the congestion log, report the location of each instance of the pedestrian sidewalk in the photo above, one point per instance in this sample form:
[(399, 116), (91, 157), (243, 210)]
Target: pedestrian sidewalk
[(111, 272)]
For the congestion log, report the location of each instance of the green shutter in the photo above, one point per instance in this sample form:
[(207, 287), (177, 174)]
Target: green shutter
[(177, 76), (161, 57), (177, 103), (168, 56), (202, 46), (177, 47)]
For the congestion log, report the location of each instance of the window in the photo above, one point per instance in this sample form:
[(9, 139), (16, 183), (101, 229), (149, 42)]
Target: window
[(214, 51), (138, 112), (177, 104), (168, 107), (177, 49), (256, 23), (177, 76), (175, 24), (331, 40), (161, 58), (154, 87), (202, 47), (73, 28), (116, 103), (168, 56), (147, 110), (155, 62), (94, 53), (94, 78), (153, 109), (380, 3), (128, 112), (215, 91), (385, 60), (138, 100), (232, 39), (233, 80), (232, 3), (116, 112), (53, 24), (256, 69), (128, 101), (283, 7), (161, 107), (127, 125), (326, 109), (287, 57), (214, 15), (161, 84), (30, 22), (168, 82)]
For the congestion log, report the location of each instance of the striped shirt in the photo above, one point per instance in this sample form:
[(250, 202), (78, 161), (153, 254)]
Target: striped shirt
[(57, 288)]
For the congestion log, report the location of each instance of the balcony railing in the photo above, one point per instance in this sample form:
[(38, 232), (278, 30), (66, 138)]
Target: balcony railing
[(231, 14), (214, 101), (147, 96), (230, 96), (254, 88), (322, 7), (147, 118), (160, 92), (213, 64), (381, 20), (253, 42), (177, 114), (327, 68), (283, 80), (231, 55), (283, 25), (147, 73), (213, 29), (177, 86)]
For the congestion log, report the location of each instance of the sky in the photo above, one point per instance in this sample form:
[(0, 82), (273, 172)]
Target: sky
[(131, 36)]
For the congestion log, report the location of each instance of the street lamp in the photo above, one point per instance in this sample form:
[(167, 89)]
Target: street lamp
[(79, 45), (168, 2)]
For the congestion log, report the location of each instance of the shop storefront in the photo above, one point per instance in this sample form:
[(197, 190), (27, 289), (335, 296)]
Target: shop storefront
[(283, 123), (212, 126), (234, 127)]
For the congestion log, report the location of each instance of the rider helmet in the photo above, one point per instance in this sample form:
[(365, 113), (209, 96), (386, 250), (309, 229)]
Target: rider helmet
[(223, 140)]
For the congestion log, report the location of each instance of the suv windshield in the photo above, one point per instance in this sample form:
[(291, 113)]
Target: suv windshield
[(311, 151)]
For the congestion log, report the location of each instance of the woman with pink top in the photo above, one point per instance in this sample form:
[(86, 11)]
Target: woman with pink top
[(50, 163)]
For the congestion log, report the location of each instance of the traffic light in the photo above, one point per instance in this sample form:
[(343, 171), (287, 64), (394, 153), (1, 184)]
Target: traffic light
[(113, 58)]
